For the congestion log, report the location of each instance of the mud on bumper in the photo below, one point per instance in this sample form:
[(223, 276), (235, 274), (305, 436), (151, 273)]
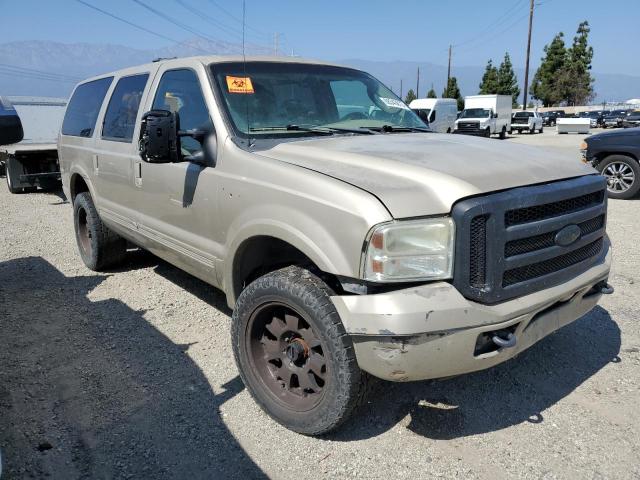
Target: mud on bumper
[(432, 331)]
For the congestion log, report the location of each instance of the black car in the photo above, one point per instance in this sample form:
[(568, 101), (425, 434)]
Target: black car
[(616, 155), (549, 118), (614, 118), (632, 120)]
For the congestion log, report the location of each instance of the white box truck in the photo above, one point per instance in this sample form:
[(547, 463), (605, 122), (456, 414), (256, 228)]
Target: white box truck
[(439, 113), (485, 115)]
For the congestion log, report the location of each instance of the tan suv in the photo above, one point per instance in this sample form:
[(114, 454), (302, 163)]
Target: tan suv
[(348, 238)]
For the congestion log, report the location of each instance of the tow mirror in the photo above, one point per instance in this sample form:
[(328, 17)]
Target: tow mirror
[(10, 124), (495, 115), (159, 137)]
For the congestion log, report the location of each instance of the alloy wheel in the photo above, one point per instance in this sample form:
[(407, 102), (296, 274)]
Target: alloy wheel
[(620, 177)]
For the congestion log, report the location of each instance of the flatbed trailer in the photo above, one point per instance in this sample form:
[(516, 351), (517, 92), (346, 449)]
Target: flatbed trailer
[(33, 162)]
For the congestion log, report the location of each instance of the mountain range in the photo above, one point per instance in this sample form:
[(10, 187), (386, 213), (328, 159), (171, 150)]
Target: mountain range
[(63, 64)]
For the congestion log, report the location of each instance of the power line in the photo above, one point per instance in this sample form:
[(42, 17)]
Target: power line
[(501, 20), (127, 22), (25, 70), (232, 16), (11, 73), (210, 20), (175, 22)]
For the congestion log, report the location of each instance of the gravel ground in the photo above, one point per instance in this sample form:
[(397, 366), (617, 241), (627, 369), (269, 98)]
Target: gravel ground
[(130, 375)]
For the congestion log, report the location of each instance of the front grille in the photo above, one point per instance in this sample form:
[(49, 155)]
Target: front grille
[(528, 272), (468, 127), (546, 240), (477, 251), (506, 242), (548, 210)]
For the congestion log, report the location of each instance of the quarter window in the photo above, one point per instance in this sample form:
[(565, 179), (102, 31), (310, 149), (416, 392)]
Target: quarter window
[(179, 91), (120, 118), (84, 106)]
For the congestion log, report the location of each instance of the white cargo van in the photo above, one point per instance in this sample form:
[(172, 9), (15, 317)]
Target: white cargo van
[(485, 115), (440, 113)]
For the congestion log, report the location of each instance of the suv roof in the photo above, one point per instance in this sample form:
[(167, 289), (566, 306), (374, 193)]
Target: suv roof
[(207, 60)]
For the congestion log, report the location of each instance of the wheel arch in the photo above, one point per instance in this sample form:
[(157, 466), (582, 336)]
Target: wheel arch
[(604, 155), (265, 248)]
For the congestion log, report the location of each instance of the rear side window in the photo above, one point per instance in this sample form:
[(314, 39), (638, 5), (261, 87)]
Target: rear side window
[(120, 118), (82, 111)]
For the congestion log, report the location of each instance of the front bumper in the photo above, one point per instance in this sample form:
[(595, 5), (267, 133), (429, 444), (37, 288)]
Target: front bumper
[(432, 331)]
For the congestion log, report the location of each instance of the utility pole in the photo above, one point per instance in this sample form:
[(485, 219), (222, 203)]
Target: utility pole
[(418, 84), (275, 43), (401, 89), (449, 68), (526, 68)]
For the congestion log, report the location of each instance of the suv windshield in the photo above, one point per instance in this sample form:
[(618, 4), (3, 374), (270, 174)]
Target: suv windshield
[(277, 100), (475, 113)]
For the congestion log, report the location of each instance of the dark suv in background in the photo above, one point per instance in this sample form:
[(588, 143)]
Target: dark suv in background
[(549, 118), (632, 120), (614, 118), (616, 155)]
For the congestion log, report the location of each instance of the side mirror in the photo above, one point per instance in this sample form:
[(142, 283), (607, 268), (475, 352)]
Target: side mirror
[(432, 117), (494, 115), (159, 137), (10, 124)]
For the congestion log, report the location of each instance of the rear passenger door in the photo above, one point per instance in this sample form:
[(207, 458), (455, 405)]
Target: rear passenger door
[(116, 149)]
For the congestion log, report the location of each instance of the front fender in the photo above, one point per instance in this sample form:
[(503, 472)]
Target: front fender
[(329, 250)]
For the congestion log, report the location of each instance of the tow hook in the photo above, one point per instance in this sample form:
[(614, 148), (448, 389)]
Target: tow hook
[(508, 342), (605, 288)]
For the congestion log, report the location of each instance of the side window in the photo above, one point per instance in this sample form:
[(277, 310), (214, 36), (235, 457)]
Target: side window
[(120, 118), (84, 106), (179, 91)]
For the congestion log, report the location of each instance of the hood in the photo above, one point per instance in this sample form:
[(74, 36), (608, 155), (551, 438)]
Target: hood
[(425, 173), (626, 132)]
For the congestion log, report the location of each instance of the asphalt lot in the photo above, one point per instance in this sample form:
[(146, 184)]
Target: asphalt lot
[(130, 375)]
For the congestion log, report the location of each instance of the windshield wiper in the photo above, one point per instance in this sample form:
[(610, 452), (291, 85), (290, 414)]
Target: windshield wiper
[(392, 128), (315, 129)]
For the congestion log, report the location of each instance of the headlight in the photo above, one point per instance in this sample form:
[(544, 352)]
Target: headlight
[(409, 251)]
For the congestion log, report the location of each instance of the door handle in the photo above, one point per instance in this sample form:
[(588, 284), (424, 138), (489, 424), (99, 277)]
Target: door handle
[(137, 173), (95, 163)]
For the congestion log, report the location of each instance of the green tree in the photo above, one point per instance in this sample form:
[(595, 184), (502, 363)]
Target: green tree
[(545, 81), (489, 83), (507, 80), (575, 81), (453, 91), (411, 96), (432, 93)]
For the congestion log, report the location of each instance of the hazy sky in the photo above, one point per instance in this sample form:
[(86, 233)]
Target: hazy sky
[(328, 29)]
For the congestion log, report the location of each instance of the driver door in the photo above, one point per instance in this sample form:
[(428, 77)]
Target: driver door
[(178, 201)]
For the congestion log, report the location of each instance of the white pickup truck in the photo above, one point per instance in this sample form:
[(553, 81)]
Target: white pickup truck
[(530, 121)]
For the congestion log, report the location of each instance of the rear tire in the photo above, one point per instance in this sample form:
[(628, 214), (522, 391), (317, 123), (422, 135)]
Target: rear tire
[(293, 353), (503, 133), (623, 176), (11, 181), (99, 247), (541, 128)]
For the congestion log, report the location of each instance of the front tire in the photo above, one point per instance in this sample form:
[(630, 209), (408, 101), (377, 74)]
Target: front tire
[(293, 353), (623, 176), (99, 246), (487, 132)]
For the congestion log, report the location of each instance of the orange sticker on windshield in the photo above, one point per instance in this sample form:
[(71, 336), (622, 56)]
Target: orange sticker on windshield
[(239, 84)]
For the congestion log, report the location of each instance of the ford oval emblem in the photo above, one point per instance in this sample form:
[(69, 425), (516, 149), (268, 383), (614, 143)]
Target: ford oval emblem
[(568, 235)]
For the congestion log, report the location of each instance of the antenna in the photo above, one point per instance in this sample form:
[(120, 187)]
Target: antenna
[(244, 66)]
